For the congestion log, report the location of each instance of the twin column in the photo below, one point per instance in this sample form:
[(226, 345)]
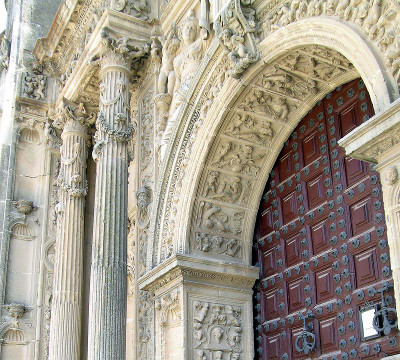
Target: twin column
[(65, 330), (108, 282)]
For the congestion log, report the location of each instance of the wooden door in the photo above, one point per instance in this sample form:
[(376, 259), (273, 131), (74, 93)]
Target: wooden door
[(321, 241)]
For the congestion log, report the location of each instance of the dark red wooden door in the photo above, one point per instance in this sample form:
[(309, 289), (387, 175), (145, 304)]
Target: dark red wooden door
[(321, 240)]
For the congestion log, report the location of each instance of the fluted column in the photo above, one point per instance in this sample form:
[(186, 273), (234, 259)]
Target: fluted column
[(65, 329), (108, 283)]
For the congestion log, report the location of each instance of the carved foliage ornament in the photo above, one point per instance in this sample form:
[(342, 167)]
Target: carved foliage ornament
[(235, 28)]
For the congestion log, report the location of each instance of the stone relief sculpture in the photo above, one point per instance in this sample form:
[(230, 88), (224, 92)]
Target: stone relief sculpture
[(143, 201), (5, 47), (137, 8), (235, 28), (166, 81), (34, 83), (217, 244), (378, 19), (145, 324), (185, 67), (217, 331), (246, 127)]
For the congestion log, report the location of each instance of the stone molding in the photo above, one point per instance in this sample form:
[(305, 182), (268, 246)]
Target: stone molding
[(375, 139), (188, 268)]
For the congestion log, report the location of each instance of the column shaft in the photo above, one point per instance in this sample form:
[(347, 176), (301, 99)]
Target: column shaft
[(65, 330), (107, 308)]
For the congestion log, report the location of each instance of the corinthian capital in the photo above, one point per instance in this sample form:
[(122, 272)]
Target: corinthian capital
[(121, 51), (72, 117)]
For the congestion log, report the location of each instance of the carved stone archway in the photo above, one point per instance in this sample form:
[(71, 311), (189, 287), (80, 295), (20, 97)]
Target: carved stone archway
[(227, 138), (205, 114)]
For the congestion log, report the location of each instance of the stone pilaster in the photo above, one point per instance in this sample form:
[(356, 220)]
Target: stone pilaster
[(108, 283), (202, 309), (65, 330)]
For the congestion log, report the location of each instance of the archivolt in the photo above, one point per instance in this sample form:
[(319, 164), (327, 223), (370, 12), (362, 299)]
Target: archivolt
[(230, 136)]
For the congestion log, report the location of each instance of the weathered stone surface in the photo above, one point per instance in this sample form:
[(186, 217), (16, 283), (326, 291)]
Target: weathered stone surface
[(195, 100)]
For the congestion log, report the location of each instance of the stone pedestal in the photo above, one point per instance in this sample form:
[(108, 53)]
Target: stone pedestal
[(203, 309), (378, 141), (65, 331), (108, 283)]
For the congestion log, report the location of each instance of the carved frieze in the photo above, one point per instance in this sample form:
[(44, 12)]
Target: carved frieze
[(251, 129), (217, 244), (221, 220), (238, 158), (377, 18)]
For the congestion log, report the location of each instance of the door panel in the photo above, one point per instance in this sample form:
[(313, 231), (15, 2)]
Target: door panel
[(321, 240)]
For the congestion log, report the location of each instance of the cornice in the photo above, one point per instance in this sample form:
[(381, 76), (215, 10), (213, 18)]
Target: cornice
[(116, 23), (191, 268), (46, 47), (375, 138)]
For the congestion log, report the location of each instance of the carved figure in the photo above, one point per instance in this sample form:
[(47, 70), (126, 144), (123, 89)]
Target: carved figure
[(166, 79), (185, 66), (330, 7), (139, 9), (143, 202), (374, 14), (217, 333), (342, 6), (213, 217), (352, 9), (229, 191)]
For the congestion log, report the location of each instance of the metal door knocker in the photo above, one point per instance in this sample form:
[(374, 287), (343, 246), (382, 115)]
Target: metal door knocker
[(305, 342), (387, 323)]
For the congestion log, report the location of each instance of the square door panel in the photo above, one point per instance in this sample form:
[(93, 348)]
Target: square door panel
[(361, 216), (296, 295), (315, 191), (296, 332), (293, 250), (354, 170), (311, 149), (348, 119), (366, 266), (266, 222), (320, 236), (271, 304), (273, 346), (328, 335), (324, 284), (286, 166), (269, 261), (289, 207)]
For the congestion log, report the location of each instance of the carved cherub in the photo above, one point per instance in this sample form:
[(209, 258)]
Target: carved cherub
[(166, 79)]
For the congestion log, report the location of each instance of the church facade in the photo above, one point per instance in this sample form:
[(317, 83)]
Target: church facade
[(200, 179)]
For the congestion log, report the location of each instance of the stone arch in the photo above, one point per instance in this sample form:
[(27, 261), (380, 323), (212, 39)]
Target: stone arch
[(189, 169)]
